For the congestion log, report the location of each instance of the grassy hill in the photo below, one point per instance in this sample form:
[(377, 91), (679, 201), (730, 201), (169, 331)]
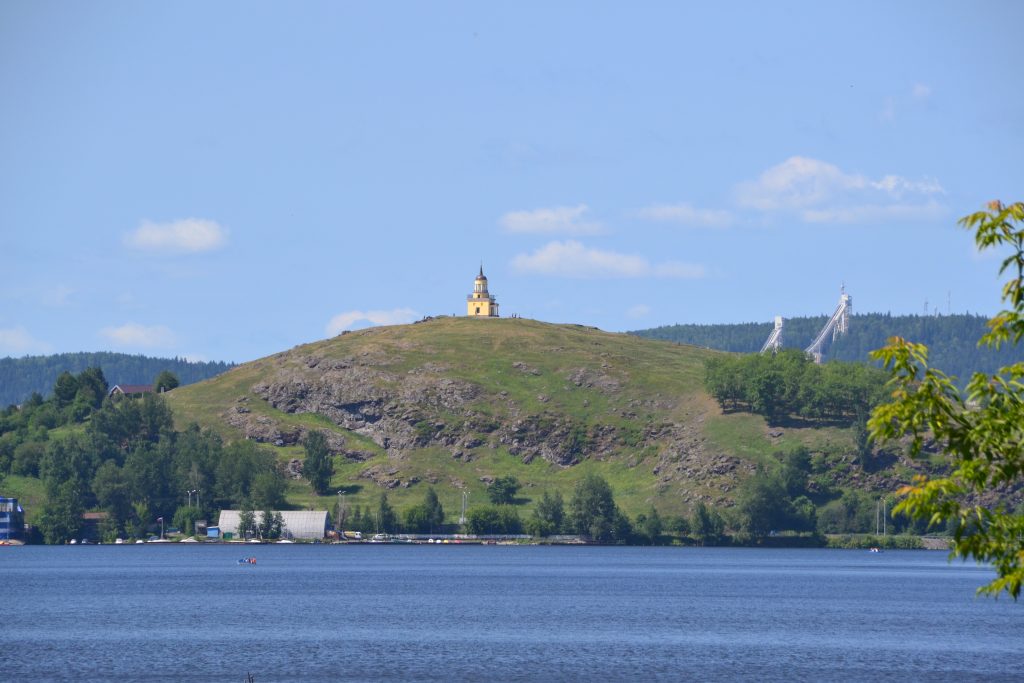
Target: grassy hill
[(457, 402)]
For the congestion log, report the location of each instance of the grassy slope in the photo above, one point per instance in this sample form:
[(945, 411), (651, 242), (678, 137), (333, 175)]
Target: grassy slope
[(659, 383)]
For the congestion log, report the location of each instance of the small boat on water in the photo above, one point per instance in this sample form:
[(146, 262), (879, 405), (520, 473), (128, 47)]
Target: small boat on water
[(874, 549), (247, 560)]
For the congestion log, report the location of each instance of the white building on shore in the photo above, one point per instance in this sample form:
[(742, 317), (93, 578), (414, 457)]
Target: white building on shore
[(308, 524)]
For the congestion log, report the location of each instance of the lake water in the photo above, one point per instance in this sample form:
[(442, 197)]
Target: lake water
[(443, 613)]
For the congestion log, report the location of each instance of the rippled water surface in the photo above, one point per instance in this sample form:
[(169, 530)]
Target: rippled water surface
[(443, 613)]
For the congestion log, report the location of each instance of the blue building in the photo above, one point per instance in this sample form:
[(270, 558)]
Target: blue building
[(12, 519)]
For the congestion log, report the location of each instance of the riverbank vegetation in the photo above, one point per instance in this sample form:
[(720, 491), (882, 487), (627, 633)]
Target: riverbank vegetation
[(124, 458), (127, 464)]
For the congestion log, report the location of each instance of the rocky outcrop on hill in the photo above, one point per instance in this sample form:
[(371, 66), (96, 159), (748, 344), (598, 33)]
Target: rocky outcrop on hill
[(425, 406)]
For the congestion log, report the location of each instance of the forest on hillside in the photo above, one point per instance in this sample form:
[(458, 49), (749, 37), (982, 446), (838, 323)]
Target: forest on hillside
[(122, 460), (20, 377), (952, 340)]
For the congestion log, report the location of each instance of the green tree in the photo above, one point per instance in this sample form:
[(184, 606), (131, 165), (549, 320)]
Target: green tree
[(502, 490), (112, 491), (317, 467), (61, 517), (149, 471), (678, 524), (387, 520), (140, 519), (415, 520), (707, 526), (650, 526), (110, 529), (983, 434), (92, 387), (762, 504), (271, 524), (247, 521), (165, 381), (65, 389), (593, 512), (493, 519), (268, 489), (796, 465), (185, 519), (27, 457), (548, 516), (862, 440), (425, 517), (237, 469), (434, 510), (68, 460)]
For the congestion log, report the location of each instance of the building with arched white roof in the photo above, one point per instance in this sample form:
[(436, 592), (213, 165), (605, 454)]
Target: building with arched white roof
[(308, 524)]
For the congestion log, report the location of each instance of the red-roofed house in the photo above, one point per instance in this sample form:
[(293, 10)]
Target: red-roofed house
[(130, 390)]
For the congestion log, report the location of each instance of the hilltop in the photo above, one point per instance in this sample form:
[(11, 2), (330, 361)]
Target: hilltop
[(458, 402)]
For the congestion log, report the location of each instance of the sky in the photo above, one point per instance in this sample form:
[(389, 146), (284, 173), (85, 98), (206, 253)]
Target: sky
[(223, 181)]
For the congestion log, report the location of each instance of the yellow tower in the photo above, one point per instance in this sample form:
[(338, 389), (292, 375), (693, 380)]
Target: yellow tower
[(480, 303)]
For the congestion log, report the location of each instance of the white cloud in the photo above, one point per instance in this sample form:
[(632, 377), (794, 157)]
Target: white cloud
[(871, 213), (574, 260), (565, 220), (686, 214), (16, 341), (189, 235), (348, 319), (920, 91), (133, 335), (638, 311), (820, 192)]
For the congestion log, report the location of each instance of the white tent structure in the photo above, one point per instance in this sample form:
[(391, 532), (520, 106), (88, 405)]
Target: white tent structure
[(312, 524)]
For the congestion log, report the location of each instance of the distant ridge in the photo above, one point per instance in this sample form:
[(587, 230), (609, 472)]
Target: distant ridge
[(951, 339), (19, 377)]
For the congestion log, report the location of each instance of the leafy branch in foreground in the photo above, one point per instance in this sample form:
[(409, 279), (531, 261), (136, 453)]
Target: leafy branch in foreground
[(983, 434)]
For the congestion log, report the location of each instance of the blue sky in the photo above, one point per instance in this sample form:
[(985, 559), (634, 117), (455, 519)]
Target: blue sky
[(226, 180)]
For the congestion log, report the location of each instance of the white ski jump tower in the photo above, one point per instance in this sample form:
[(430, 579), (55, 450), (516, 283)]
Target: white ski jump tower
[(837, 325), (774, 342)]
